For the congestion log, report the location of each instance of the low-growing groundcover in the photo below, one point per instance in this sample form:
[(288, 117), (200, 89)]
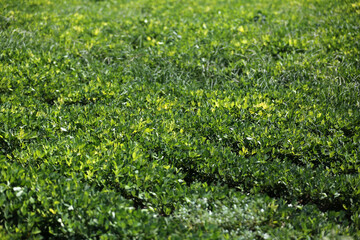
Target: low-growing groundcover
[(174, 119)]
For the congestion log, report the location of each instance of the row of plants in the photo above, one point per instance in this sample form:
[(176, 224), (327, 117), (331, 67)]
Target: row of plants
[(179, 120)]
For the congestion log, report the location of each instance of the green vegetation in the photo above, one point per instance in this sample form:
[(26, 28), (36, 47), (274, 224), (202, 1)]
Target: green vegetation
[(214, 119)]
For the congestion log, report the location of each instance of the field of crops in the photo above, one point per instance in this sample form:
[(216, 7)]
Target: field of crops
[(174, 119)]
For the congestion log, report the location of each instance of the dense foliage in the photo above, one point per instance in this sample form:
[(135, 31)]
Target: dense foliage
[(161, 119)]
